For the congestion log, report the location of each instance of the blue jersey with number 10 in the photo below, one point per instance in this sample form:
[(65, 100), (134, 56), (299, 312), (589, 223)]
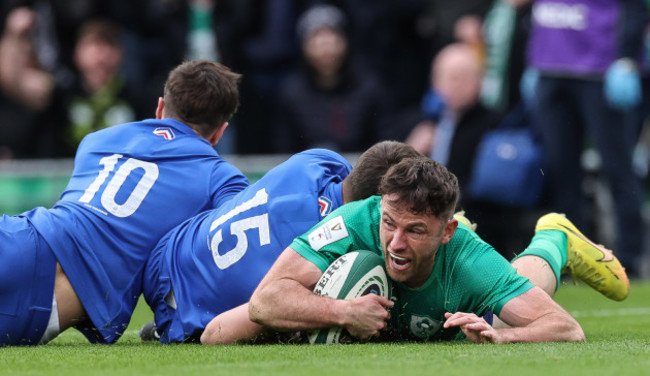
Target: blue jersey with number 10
[(214, 261), (131, 184)]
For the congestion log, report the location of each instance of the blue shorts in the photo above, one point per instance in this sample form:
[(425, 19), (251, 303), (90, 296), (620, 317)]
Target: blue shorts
[(27, 272)]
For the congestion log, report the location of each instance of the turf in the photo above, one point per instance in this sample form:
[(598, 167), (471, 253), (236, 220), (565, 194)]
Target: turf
[(618, 343)]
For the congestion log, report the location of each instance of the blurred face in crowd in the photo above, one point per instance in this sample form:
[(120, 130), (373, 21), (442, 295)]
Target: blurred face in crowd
[(456, 76), (325, 50), (97, 60)]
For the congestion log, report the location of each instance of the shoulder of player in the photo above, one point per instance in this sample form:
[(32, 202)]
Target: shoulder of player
[(466, 244), (347, 217), (360, 219), (319, 154)]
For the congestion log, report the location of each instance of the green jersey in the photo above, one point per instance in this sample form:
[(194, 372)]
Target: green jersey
[(468, 274)]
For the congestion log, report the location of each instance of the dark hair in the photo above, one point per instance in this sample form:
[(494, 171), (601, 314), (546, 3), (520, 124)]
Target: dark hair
[(424, 184), (202, 94), (101, 30), (372, 165)]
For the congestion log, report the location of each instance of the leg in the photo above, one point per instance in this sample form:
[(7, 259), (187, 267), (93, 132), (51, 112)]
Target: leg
[(562, 137), (70, 310), (26, 283), (559, 247), (566, 250), (611, 136), (538, 271)]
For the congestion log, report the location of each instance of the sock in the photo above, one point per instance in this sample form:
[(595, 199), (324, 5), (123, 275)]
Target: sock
[(551, 245)]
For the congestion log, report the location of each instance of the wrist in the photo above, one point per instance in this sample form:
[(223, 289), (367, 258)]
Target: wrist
[(341, 312)]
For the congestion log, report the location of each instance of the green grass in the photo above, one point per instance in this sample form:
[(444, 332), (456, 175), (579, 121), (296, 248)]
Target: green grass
[(618, 343)]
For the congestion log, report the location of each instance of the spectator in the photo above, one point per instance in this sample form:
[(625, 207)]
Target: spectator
[(154, 41), (387, 37), (100, 96), (460, 119), (454, 125), (330, 102), (586, 55), (52, 40), (506, 29), (445, 18), (469, 30), (257, 38), (28, 110)]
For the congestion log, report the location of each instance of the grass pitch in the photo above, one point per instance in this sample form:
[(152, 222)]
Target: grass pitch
[(618, 343)]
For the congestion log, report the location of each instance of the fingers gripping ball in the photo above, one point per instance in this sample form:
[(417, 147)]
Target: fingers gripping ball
[(350, 276)]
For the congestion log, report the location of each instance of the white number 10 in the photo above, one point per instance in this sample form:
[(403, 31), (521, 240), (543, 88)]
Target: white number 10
[(108, 196)]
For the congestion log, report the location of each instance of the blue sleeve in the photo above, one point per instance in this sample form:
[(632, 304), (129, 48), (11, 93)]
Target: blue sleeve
[(228, 181)]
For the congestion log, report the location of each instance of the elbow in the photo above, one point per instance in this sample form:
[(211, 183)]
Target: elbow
[(255, 311), (578, 335), (214, 334), (209, 336), (206, 337), (573, 331), (263, 307)]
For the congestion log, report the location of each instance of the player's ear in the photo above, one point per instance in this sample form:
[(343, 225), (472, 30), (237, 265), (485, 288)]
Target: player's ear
[(216, 135), (159, 108), (450, 228)]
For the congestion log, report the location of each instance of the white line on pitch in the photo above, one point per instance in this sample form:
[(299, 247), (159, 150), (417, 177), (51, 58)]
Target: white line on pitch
[(612, 312)]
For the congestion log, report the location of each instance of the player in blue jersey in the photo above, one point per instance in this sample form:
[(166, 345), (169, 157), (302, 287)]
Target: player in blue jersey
[(80, 262), (213, 262)]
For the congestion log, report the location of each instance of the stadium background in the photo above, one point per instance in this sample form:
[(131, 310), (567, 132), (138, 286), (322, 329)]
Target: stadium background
[(395, 41)]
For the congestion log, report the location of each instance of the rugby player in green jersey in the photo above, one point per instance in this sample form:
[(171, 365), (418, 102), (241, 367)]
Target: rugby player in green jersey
[(445, 277)]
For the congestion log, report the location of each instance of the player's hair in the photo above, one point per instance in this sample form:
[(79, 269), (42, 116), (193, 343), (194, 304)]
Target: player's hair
[(364, 179), (202, 94), (423, 184)]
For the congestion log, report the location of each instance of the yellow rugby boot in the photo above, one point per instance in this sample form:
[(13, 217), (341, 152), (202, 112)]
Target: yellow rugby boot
[(460, 217), (594, 264)]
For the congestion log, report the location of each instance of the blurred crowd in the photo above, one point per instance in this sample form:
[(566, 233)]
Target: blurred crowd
[(344, 74)]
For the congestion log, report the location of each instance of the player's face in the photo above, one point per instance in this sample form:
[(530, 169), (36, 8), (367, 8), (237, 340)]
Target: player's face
[(410, 241), (325, 50)]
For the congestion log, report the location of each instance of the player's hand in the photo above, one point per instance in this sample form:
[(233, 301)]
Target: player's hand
[(367, 315), (476, 329)]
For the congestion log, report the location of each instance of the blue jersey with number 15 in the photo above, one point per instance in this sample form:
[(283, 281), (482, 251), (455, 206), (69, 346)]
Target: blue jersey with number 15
[(214, 261), (131, 184)]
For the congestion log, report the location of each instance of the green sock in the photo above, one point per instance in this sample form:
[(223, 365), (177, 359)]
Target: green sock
[(551, 245)]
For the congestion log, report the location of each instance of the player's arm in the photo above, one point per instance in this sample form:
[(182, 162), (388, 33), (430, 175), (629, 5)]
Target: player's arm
[(228, 181), (230, 327), (533, 317), (284, 301)]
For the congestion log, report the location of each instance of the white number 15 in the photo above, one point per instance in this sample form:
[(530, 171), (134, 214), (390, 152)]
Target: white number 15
[(238, 229)]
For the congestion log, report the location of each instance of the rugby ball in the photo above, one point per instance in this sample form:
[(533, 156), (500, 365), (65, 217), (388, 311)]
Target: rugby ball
[(350, 276)]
